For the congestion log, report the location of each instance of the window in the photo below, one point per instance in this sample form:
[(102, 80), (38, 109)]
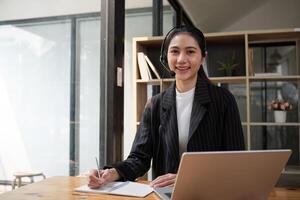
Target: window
[(35, 97), (45, 82), (89, 62)]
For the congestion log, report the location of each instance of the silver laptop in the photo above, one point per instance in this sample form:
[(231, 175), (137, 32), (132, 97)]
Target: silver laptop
[(230, 175)]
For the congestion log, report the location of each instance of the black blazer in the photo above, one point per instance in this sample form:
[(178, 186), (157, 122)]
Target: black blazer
[(215, 126)]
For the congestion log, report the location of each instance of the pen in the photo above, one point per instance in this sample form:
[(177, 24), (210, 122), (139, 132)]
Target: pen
[(97, 163)]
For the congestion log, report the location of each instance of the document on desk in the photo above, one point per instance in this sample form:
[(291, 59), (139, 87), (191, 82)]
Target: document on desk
[(127, 188)]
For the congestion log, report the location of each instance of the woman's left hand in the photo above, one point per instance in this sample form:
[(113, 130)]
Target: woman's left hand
[(164, 180)]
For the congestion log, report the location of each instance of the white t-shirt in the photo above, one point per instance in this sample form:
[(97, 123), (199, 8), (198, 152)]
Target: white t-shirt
[(184, 104)]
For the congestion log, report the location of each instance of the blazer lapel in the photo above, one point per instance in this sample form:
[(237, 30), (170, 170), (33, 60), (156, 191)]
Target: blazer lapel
[(201, 98), (169, 122)]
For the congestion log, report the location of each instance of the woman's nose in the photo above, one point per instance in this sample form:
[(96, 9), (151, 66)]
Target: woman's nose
[(181, 58)]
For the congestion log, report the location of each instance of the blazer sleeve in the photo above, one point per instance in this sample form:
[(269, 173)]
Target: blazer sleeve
[(139, 159), (233, 132)]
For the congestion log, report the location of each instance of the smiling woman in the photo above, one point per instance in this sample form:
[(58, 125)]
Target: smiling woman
[(191, 115)]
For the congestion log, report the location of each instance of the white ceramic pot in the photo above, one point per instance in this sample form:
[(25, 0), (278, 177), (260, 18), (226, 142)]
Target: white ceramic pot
[(280, 116)]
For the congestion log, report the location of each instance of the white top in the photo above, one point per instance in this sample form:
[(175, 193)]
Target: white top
[(184, 104)]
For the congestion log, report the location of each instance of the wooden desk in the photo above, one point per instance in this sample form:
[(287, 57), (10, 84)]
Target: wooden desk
[(61, 188)]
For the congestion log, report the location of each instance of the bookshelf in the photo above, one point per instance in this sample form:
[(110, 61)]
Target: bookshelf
[(253, 82)]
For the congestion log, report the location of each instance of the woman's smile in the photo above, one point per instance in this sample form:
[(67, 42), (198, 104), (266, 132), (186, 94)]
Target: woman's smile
[(182, 69)]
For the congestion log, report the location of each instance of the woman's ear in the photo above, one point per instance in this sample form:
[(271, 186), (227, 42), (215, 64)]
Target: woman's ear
[(204, 58)]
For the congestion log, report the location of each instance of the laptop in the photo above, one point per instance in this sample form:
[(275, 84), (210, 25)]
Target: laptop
[(226, 175)]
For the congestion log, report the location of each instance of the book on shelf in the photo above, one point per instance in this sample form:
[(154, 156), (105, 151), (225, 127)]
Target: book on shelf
[(152, 67), (144, 63), (143, 67), (163, 72), (250, 60), (149, 73), (267, 74)]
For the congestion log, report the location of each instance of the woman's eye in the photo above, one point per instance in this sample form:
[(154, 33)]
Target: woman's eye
[(190, 51), (174, 51)]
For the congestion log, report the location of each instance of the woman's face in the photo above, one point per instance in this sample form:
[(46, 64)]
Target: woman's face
[(184, 57)]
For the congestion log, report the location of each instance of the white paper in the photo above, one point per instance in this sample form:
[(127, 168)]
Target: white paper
[(267, 74), (120, 188)]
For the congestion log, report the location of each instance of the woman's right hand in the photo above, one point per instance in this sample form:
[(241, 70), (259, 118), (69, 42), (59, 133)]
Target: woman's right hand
[(106, 176)]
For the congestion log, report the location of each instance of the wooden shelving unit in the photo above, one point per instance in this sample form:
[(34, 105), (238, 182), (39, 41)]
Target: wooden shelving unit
[(220, 46)]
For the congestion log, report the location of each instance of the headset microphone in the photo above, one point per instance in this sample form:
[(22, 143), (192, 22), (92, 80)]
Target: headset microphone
[(165, 65)]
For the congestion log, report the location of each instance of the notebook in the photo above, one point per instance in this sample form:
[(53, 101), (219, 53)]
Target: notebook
[(228, 175), (127, 188)]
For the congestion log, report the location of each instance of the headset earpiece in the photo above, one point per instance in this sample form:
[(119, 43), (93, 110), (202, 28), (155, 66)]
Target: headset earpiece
[(163, 60), (163, 52)]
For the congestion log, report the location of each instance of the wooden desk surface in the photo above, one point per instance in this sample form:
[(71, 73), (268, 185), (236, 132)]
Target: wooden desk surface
[(61, 188)]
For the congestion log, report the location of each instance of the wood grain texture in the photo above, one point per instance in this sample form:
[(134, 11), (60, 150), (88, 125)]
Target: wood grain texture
[(61, 188)]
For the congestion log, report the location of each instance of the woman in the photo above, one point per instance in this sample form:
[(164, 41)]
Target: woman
[(191, 115)]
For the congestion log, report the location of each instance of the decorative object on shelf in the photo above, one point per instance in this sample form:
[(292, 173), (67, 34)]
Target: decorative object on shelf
[(280, 116), (290, 92), (229, 65), (275, 59), (280, 107)]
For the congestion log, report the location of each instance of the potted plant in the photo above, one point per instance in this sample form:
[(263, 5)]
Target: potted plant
[(280, 107), (228, 66)]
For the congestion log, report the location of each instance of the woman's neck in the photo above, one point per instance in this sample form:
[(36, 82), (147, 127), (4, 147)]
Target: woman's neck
[(186, 85)]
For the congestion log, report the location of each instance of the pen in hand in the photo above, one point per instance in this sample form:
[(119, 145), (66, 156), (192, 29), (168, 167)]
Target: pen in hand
[(98, 168)]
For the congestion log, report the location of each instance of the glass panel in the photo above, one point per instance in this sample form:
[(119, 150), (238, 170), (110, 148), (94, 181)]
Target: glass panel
[(264, 92), (279, 58), (277, 137), (132, 21), (239, 93), (89, 57), (35, 98)]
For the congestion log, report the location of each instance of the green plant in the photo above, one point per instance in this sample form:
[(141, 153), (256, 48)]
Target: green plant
[(229, 65)]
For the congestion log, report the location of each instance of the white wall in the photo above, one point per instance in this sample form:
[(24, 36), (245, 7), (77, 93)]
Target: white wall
[(273, 14), (24, 9)]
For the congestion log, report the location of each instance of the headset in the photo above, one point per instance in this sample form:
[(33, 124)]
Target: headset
[(199, 36)]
